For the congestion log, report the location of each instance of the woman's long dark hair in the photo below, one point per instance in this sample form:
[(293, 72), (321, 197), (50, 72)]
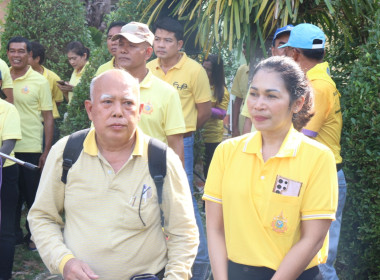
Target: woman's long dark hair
[(78, 48), (217, 76)]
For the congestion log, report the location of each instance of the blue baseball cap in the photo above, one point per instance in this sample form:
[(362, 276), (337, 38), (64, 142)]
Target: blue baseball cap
[(303, 35), (282, 30)]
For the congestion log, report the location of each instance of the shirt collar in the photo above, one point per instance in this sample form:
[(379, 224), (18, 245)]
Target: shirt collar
[(90, 147), (321, 71), (30, 69), (289, 147), (147, 81), (179, 64)]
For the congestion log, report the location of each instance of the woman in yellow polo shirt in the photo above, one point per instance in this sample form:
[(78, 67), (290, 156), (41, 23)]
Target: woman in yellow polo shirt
[(212, 131), (271, 195), (78, 56)]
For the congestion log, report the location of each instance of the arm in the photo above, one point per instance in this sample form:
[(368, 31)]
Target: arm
[(204, 113), (216, 240), (66, 89), (235, 116), (49, 129), (313, 233), (9, 93), (247, 127), (175, 142), (7, 147)]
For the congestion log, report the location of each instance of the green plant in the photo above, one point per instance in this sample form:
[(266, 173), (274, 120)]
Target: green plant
[(360, 239), (52, 23)]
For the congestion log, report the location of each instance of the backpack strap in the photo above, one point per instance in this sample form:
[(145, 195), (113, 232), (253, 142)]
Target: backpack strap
[(157, 164), (73, 148)]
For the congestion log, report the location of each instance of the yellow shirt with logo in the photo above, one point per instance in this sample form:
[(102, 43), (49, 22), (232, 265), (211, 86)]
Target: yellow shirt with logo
[(264, 203), (162, 112), (75, 79), (56, 93), (5, 75), (190, 80), (103, 215), (9, 126), (106, 66), (326, 125), (31, 94), (212, 131)]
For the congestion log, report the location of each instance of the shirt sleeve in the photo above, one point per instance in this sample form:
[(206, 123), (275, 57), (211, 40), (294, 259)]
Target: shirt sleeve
[(174, 120), (238, 87), (7, 81), (11, 128), (201, 92), (244, 111), (323, 104), (56, 92), (213, 187), (45, 216), (45, 96), (320, 200), (180, 226)]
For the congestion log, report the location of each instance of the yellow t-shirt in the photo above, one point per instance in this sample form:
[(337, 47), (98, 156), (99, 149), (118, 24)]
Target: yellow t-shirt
[(326, 125), (6, 76), (190, 80), (162, 112), (261, 225), (244, 111), (212, 131), (56, 93), (240, 83), (31, 94), (9, 126), (106, 66), (75, 79)]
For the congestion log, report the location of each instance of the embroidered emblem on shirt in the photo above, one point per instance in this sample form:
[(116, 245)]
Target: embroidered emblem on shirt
[(287, 187), (180, 87), (280, 223), (25, 90), (148, 108)]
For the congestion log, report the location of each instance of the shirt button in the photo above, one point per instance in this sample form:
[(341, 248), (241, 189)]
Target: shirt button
[(262, 177)]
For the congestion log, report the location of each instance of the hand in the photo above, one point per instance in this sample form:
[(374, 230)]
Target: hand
[(77, 270), (66, 87), (41, 161)]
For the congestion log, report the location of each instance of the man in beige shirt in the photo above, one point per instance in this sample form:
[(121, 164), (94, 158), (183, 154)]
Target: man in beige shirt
[(112, 227)]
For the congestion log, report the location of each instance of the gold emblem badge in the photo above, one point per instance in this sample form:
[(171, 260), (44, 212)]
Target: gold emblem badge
[(280, 223), (148, 108), (25, 90)]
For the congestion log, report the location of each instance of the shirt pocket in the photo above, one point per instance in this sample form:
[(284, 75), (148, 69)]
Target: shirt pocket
[(282, 215)]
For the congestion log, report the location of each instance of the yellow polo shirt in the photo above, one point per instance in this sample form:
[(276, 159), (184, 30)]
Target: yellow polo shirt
[(190, 79), (240, 83), (102, 225), (106, 66), (162, 112), (56, 93), (9, 126), (6, 76), (75, 79), (31, 94), (212, 131), (326, 125), (261, 225)]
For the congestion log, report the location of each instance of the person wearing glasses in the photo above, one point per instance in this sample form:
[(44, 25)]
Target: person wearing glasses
[(112, 227)]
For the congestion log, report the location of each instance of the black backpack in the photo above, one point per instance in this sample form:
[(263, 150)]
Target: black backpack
[(156, 158)]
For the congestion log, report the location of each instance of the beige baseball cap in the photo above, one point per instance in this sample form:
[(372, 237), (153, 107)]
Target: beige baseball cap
[(135, 32)]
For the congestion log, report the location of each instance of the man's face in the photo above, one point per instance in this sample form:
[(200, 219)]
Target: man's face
[(34, 62), (165, 44), (131, 56), (18, 55), (112, 45), (114, 109), (280, 40)]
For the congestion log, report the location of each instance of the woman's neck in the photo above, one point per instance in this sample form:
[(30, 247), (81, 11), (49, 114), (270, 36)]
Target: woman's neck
[(272, 142)]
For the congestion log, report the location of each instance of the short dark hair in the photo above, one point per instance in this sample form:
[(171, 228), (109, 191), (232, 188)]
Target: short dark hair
[(38, 50), (217, 75), (20, 39), (171, 25), (78, 48), (115, 23), (315, 54), (296, 84)]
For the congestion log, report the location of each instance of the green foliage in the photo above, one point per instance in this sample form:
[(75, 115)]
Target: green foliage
[(359, 84), (52, 23)]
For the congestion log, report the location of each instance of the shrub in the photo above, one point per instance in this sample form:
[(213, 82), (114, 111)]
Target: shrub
[(52, 23), (360, 239)]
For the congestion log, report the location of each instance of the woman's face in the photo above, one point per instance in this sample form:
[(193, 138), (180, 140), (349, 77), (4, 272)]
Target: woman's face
[(207, 65), (76, 61), (268, 102)]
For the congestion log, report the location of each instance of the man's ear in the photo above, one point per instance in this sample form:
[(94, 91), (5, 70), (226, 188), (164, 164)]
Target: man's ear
[(148, 53), (88, 105), (180, 44)]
